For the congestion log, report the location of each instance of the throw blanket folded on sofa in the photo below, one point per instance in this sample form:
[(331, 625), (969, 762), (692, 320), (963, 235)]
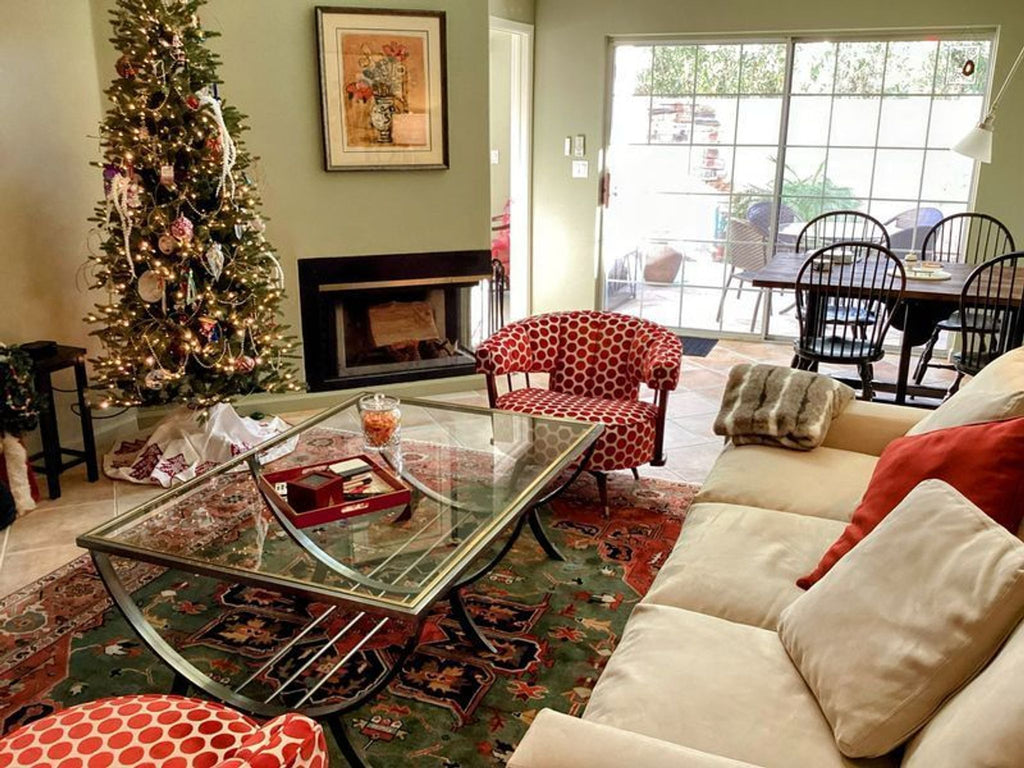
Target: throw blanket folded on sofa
[(772, 405)]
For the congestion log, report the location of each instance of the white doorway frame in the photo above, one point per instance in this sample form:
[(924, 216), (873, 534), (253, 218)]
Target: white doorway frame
[(520, 164)]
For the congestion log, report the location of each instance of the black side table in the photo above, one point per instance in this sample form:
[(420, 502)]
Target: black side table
[(53, 453)]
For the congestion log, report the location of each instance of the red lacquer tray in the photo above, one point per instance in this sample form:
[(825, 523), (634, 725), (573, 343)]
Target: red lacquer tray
[(400, 495)]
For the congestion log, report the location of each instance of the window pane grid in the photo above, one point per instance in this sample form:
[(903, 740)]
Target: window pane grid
[(717, 100)]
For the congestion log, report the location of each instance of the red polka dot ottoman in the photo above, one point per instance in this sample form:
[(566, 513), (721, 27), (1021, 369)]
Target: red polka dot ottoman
[(155, 731)]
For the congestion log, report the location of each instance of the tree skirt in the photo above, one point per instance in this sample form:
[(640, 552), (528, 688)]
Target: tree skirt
[(554, 624), (183, 445)]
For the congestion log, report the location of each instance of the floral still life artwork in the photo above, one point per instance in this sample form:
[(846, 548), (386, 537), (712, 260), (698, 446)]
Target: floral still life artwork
[(383, 89)]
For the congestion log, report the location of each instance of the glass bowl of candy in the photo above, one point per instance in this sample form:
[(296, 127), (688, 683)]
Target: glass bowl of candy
[(381, 420)]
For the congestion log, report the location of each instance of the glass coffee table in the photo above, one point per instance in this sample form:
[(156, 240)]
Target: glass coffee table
[(477, 477)]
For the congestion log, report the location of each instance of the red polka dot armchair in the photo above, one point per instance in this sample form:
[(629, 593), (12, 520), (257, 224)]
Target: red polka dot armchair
[(167, 731), (597, 362)]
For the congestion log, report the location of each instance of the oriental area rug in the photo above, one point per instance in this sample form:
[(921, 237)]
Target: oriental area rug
[(554, 625)]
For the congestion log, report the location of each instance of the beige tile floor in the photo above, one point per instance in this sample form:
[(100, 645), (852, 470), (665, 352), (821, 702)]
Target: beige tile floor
[(44, 539)]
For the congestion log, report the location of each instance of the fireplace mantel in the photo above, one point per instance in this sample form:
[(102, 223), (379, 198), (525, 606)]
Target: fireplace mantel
[(325, 284)]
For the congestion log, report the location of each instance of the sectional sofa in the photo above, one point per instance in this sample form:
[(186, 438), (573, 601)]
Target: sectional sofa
[(700, 678)]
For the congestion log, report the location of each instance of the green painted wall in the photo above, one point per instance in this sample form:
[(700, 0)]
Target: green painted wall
[(571, 57)]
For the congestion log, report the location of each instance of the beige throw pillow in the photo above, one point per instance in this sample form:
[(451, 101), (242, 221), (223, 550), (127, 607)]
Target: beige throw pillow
[(981, 725), (906, 618), (995, 394)]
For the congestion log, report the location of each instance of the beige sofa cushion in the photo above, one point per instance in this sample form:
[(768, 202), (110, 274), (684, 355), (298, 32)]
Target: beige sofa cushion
[(824, 482), (908, 616), (995, 394), (716, 686), (560, 741), (983, 724), (741, 563)]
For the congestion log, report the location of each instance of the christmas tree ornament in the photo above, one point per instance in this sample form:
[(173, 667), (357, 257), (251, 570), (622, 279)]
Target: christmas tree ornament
[(125, 67), (228, 153), (209, 329), (244, 364), (213, 146), (133, 193), (143, 132), (278, 271), (167, 175), (177, 49), (258, 225), (191, 294), (109, 172), (152, 287), (166, 244), (121, 198), (213, 260), (155, 379), (192, 102), (181, 229)]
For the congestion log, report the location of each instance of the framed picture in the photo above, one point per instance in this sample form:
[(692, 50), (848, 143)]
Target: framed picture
[(383, 88)]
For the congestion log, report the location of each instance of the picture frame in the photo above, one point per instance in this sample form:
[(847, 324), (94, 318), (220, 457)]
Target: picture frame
[(383, 88)]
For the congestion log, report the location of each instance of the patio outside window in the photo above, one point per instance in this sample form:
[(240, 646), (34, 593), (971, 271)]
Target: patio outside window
[(719, 151)]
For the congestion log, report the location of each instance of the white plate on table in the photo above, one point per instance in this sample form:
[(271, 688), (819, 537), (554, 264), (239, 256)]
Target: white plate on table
[(932, 275)]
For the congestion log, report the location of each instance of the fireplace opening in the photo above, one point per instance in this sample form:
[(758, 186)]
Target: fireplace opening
[(385, 330), (377, 319)]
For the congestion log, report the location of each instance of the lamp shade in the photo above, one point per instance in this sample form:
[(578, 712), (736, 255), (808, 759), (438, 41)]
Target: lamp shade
[(977, 143)]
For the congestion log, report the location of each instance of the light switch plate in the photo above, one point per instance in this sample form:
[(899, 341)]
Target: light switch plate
[(580, 169), (495, 157), (579, 145), (567, 147)]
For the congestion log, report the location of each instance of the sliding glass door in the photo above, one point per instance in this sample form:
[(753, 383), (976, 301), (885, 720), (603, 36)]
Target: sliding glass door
[(719, 151)]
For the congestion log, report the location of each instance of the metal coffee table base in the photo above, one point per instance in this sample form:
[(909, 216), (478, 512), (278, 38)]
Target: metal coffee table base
[(363, 625)]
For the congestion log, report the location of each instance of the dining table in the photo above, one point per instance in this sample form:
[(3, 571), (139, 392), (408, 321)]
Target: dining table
[(925, 302)]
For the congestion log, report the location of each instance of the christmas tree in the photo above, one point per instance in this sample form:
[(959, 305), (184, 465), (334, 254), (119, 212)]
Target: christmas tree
[(193, 287)]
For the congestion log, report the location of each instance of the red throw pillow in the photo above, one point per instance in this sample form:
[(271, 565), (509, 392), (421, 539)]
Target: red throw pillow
[(985, 462)]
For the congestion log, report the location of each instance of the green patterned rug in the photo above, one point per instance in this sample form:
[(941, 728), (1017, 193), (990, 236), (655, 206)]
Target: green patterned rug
[(554, 625)]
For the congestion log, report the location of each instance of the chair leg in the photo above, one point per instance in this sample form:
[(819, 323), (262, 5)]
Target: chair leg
[(721, 301), (867, 375), (926, 357), (955, 386), (636, 473), (602, 490), (757, 308)]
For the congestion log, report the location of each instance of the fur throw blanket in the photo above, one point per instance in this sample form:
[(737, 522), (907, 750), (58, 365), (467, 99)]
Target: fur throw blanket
[(772, 405)]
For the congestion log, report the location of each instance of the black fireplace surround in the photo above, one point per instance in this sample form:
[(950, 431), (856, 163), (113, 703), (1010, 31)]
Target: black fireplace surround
[(337, 293)]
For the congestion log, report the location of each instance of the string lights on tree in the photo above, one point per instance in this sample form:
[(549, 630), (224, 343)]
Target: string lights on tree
[(194, 288)]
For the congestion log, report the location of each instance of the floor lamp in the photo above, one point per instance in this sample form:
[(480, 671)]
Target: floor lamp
[(977, 143)]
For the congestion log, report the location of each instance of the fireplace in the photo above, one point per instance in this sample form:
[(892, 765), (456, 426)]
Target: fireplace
[(369, 320)]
